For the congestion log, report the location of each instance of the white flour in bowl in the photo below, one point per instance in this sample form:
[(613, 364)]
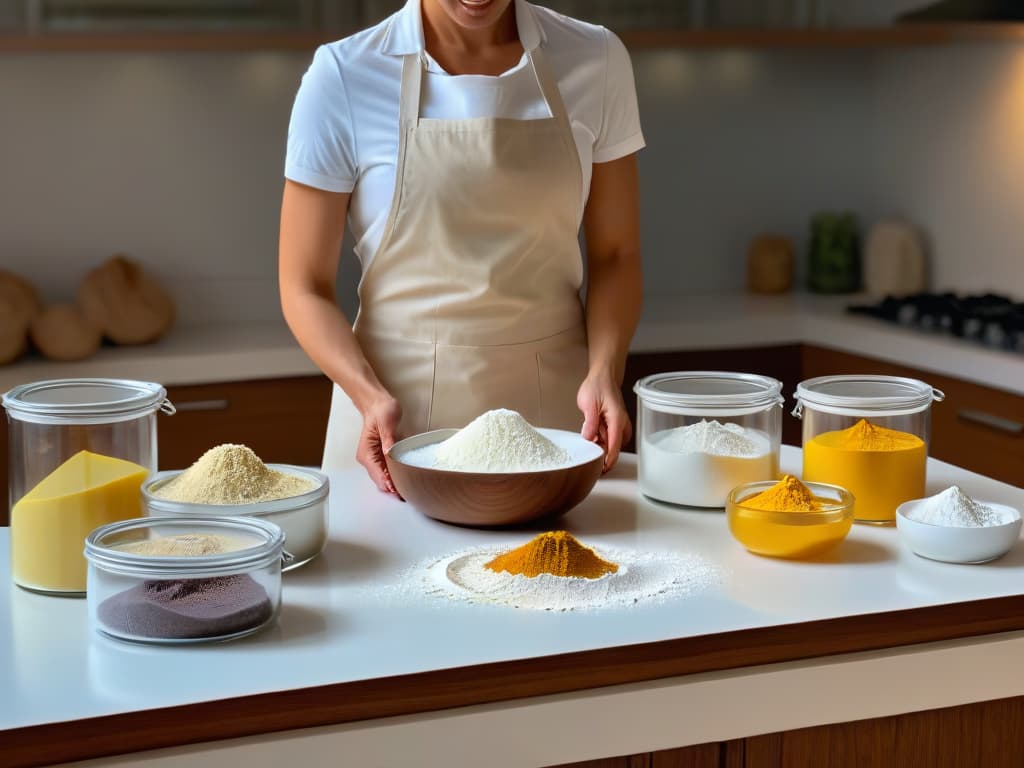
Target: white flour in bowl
[(955, 509), (496, 441), (642, 576), (698, 464)]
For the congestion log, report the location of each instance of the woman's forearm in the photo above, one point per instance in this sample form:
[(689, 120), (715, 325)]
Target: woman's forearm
[(614, 280), (312, 227), (614, 301), (325, 334)]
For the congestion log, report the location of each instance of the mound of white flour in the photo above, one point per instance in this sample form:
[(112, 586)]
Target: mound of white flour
[(712, 438), (498, 441)]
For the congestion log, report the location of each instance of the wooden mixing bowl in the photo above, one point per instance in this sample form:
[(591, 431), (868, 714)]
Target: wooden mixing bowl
[(486, 499)]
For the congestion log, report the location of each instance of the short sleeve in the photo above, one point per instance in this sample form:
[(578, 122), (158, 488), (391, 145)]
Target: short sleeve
[(321, 139), (620, 132)]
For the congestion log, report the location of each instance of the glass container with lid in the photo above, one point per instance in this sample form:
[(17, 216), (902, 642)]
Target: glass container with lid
[(868, 434), (303, 518), (702, 433), (184, 580), (79, 450)]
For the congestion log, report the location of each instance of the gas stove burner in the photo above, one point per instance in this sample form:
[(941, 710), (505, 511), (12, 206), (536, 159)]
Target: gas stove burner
[(989, 319)]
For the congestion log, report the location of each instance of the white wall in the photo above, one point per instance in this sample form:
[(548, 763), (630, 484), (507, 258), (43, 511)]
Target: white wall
[(741, 143), (176, 159), (948, 135), (173, 159)]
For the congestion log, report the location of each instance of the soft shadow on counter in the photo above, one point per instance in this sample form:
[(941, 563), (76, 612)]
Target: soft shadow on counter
[(345, 557), (297, 625), (852, 552), (621, 471), (1012, 559), (603, 514)]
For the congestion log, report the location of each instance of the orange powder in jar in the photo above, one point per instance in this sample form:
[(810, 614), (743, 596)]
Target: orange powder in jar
[(881, 467)]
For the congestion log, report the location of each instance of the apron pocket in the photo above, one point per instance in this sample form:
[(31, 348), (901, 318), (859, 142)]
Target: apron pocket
[(471, 380)]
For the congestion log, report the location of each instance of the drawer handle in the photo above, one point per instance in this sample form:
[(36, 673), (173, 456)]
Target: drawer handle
[(202, 405), (991, 420)]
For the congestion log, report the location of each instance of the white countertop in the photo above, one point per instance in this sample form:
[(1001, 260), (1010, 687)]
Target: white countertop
[(201, 355), (340, 622)]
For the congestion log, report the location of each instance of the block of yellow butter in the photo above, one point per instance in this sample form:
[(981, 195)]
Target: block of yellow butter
[(50, 522)]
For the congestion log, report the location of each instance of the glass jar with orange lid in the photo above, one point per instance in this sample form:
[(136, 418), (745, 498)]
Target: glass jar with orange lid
[(870, 435)]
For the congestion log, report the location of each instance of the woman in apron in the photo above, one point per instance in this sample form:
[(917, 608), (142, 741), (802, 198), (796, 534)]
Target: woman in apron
[(470, 292)]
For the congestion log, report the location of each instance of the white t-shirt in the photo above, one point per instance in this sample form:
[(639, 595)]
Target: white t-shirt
[(343, 135)]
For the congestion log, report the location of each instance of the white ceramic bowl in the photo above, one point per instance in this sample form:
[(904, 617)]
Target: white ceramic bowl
[(958, 545), (303, 518)]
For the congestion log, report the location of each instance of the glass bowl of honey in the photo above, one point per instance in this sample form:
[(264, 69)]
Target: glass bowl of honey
[(790, 533)]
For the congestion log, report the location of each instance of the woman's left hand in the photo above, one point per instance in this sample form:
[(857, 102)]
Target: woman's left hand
[(605, 421)]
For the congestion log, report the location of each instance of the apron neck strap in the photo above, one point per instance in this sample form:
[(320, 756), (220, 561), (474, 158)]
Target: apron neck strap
[(411, 91), (549, 88)]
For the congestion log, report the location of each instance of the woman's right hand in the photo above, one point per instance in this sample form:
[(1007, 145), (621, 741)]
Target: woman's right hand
[(380, 422)]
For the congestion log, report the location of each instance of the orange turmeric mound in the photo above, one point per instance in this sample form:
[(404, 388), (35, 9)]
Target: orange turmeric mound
[(787, 495), (557, 553)]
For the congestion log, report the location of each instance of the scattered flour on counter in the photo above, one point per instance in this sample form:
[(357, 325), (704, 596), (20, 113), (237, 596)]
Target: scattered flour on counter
[(642, 576), (496, 441), (955, 509)]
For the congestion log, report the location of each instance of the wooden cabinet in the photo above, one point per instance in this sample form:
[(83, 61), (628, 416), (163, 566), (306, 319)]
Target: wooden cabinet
[(975, 427), (282, 420), (988, 734)]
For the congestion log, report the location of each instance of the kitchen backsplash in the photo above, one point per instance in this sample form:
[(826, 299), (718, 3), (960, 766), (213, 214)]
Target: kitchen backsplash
[(176, 160)]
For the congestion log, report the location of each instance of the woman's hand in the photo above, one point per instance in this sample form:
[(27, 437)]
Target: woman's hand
[(605, 421), (380, 421)]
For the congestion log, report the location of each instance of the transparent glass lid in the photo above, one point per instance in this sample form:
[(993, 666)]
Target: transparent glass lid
[(86, 398), (709, 389), (850, 394), (167, 546)]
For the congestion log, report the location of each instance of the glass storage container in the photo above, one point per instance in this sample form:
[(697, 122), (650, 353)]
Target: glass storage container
[(184, 580), (702, 433), (868, 434), (79, 450), (303, 518)]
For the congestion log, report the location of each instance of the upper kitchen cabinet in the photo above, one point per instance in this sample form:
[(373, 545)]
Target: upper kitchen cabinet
[(49, 25)]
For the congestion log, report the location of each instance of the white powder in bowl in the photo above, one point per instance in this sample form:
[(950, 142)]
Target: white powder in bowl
[(955, 509), (642, 576), (496, 441), (698, 464)]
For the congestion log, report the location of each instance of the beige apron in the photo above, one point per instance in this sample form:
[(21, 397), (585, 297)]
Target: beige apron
[(472, 300)]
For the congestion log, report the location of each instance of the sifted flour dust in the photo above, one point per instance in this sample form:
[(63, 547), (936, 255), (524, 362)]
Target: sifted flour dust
[(463, 577)]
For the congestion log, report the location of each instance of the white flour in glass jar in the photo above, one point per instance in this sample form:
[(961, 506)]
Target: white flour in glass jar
[(698, 464)]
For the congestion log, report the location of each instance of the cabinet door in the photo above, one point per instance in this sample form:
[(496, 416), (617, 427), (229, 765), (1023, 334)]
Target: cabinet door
[(282, 420), (975, 427)]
